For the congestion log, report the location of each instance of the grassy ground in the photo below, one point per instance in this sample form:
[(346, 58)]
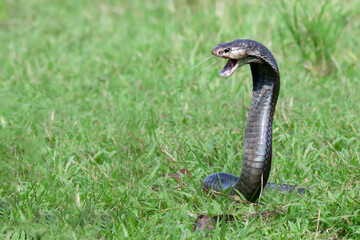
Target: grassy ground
[(98, 106)]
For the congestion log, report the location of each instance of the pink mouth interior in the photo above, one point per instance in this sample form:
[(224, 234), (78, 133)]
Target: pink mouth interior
[(229, 68)]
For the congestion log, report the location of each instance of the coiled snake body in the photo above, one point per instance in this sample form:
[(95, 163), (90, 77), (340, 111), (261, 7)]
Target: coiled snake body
[(258, 133)]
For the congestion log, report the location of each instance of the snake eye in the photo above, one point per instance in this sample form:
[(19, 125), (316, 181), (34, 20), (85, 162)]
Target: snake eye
[(227, 50)]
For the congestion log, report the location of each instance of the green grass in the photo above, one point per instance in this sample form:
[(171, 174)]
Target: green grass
[(98, 106)]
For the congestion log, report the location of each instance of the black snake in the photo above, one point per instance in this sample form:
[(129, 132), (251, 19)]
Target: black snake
[(258, 133)]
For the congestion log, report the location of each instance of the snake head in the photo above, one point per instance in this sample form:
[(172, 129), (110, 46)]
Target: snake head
[(233, 53)]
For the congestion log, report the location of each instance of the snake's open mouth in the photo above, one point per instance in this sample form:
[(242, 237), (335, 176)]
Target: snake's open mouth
[(230, 67)]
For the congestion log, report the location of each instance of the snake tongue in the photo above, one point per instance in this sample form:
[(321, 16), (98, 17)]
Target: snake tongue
[(229, 68)]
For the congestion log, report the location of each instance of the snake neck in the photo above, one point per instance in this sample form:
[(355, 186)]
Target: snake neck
[(258, 133)]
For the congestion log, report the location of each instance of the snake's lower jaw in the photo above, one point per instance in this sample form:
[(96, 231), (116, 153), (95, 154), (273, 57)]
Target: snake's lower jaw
[(229, 68)]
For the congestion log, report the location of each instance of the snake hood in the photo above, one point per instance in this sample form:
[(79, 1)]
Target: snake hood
[(243, 51)]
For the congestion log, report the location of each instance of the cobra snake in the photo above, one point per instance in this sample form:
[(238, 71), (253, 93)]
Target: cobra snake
[(258, 133)]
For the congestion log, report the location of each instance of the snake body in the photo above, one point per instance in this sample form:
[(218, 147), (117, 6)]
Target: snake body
[(258, 133)]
